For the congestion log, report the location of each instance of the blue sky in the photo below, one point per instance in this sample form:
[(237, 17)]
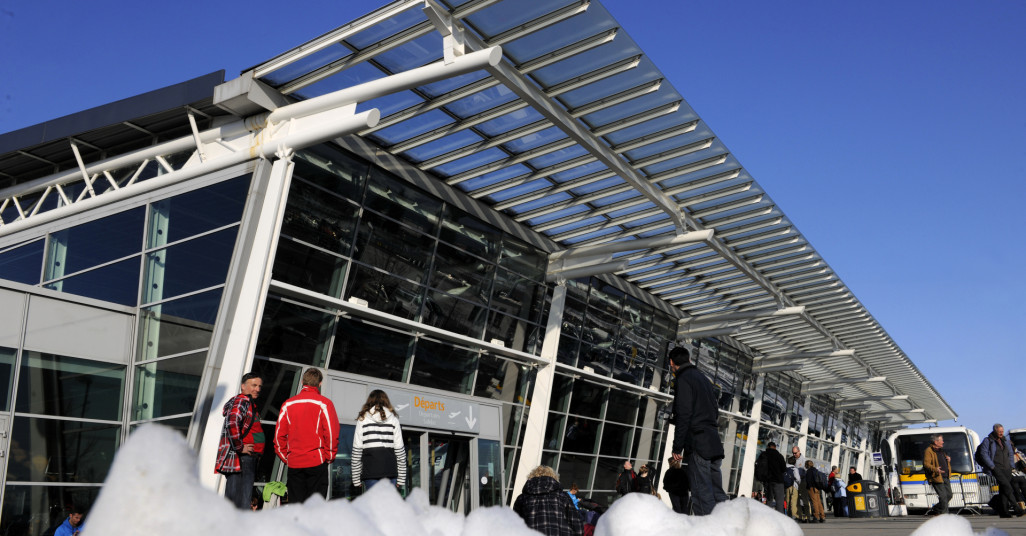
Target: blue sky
[(893, 134)]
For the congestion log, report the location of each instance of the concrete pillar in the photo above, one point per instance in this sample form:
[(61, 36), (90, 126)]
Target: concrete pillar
[(747, 478)]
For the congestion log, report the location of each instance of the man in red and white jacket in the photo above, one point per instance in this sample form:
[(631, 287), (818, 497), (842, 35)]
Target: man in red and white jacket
[(306, 438)]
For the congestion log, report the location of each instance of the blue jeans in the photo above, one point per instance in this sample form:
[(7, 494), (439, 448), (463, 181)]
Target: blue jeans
[(238, 487), (368, 484), (706, 483)]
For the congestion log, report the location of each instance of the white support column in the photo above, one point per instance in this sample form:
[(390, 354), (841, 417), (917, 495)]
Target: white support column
[(541, 392), (803, 431), (729, 440), (835, 454), (234, 341), (747, 479), (860, 467)]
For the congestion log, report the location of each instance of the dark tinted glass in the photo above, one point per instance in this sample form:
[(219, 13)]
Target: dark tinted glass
[(22, 264), (470, 234), (385, 292), (461, 274), (523, 259), (554, 431), (189, 266), (167, 387), (606, 470), (575, 469), (194, 212), (310, 268), (294, 333), (562, 386), (319, 218), (581, 435), (500, 379), (587, 399), (95, 242), (118, 283), (402, 202), (514, 294), (7, 356), (281, 381), (441, 366), (622, 406), (29, 509), (385, 244), (178, 326), (332, 169), (74, 451), (370, 350), (616, 441), (448, 312), (70, 387)]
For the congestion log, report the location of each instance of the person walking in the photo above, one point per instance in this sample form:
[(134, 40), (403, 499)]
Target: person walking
[(675, 482), (813, 483), (998, 460), (792, 482), (544, 506), (378, 449), (938, 472), (696, 437), (306, 438), (773, 476), (241, 443)]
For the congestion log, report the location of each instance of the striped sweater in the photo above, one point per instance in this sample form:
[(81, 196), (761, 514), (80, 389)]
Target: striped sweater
[(378, 450)]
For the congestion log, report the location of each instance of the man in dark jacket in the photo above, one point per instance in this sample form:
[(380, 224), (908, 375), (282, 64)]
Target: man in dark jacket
[(774, 483), (625, 480), (998, 460), (812, 483), (545, 507), (696, 437)]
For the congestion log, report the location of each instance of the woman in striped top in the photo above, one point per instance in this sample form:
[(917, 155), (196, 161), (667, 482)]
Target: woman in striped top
[(378, 451)]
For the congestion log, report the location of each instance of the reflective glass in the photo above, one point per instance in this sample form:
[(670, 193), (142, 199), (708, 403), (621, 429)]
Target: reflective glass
[(616, 440), (526, 188), (677, 119), (370, 350), (482, 100), (568, 350), (500, 379), (189, 266), (7, 356), (178, 326), (471, 234), (534, 139), (494, 177), (291, 332), (515, 333), (474, 160), (523, 259), (622, 406), (414, 126), (281, 382), (390, 104), (442, 146), (22, 264), (384, 292), (402, 202), (446, 311), (197, 211), (117, 283), (357, 74), (391, 26), (447, 85), (303, 266), (552, 216), (588, 61), (631, 107), (587, 399), (30, 509), (505, 123), (592, 22), (69, 387), (562, 387), (167, 387), (307, 64), (95, 242), (606, 470), (554, 431), (489, 465), (441, 366), (334, 170), (612, 85), (385, 244), (54, 450), (460, 274), (505, 15), (516, 295), (576, 469), (581, 435), (556, 157), (318, 218), (419, 52)]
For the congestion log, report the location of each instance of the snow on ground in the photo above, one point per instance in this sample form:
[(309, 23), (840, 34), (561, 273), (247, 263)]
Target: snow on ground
[(153, 489)]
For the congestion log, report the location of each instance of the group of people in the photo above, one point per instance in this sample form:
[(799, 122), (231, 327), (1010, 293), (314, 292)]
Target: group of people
[(306, 441), (795, 487), (998, 458)]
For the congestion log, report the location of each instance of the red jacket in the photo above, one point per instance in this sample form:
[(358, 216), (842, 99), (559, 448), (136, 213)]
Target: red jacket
[(307, 431)]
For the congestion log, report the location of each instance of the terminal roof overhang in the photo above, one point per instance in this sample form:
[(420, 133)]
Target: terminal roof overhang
[(577, 135)]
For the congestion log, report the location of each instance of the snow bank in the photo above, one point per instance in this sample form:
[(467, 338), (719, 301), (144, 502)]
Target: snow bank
[(153, 489)]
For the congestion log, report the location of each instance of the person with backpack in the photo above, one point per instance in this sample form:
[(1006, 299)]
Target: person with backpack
[(769, 469), (814, 482), (625, 480), (997, 457), (792, 478)]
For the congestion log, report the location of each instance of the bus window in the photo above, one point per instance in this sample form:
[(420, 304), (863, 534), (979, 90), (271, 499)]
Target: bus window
[(910, 449), (1018, 438)]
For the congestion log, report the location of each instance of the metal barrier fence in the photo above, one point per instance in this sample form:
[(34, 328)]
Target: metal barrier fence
[(970, 492)]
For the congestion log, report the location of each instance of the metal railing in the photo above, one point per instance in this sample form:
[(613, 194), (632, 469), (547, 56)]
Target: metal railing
[(977, 489)]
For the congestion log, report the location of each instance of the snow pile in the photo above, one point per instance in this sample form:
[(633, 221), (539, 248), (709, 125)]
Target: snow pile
[(153, 489)]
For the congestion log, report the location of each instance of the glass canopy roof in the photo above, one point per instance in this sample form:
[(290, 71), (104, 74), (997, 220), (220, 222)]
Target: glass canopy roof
[(478, 133)]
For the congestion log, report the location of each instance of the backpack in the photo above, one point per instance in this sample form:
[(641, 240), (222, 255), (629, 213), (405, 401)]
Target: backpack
[(789, 478), (978, 455), (762, 468)]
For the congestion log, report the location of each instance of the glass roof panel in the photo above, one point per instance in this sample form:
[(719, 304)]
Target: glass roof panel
[(307, 64), (479, 158), (616, 198), (527, 188), (538, 203), (357, 74), (502, 16), (663, 122), (493, 177), (481, 101), (413, 54), (662, 146), (593, 186), (561, 213), (387, 28), (578, 171), (442, 145), (413, 126), (557, 36), (534, 139), (449, 84), (584, 62), (648, 205), (609, 86), (510, 121), (390, 104), (572, 225), (556, 157), (631, 107), (647, 220), (592, 235)]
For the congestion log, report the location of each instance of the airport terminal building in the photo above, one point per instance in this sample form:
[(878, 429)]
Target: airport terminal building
[(499, 211)]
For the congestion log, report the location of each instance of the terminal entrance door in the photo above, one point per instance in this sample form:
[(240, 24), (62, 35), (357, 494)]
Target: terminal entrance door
[(440, 463)]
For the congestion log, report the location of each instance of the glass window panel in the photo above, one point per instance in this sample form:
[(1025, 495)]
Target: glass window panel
[(402, 202), (595, 21), (307, 64), (167, 387), (22, 264), (481, 101), (632, 107), (622, 406), (414, 126), (448, 312), (117, 283), (505, 15), (303, 266), (441, 366), (501, 379), (488, 469), (178, 326), (587, 399), (197, 211), (412, 54), (534, 139), (384, 292), (54, 450), (606, 471), (189, 266), (389, 104), (391, 26), (471, 234), (616, 440), (7, 356), (567, 351), (526, 188), (95, 242), (562, 387), (494, 177), (442, 146), (507, 122), (472, 161), (333, 169), (554, 431), (447, 85), (179, 424), (458, 273), (575, 469), (523, 259), (30, 509), (370, 350), (291, 332), (581, 435), (319, 218), (515, 419), (281, 382), (70, 387)]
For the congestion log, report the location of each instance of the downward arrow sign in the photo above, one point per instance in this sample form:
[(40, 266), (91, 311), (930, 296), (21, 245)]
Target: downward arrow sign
[(471, 421)]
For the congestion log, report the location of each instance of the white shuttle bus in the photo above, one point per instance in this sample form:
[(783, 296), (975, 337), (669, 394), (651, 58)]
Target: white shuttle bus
[(903, 463)]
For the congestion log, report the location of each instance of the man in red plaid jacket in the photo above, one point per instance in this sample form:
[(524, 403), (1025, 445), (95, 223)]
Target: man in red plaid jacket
[(237, 452)]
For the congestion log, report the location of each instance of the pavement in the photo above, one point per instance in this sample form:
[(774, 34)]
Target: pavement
[(903, 526)]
